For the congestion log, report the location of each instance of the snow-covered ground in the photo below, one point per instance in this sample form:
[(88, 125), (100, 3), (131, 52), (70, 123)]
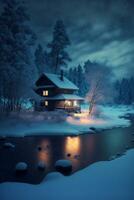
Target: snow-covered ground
[(107, 117), (59, 123), (109, 180)]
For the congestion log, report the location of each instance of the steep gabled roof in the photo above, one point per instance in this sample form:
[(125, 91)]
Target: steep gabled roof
[(63, 84)]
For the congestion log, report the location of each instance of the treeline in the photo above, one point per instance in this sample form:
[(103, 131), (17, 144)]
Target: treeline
[(124, 91), (19, 65), (90, 75), (77, 76)]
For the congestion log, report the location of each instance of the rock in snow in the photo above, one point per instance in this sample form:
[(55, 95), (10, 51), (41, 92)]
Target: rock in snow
[(21, 167), (64, 166), (41, 165), (8, 145)]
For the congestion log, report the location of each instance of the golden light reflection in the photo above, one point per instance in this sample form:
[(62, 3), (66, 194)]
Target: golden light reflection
[(45, 152), (73, 145), (72, 150)]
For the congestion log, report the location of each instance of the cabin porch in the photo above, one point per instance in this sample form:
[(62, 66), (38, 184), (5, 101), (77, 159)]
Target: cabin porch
[(68, 105)]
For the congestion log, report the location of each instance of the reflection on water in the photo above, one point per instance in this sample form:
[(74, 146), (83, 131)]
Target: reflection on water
[(81, 150), (72, 145), (44, 152), (72, 149)]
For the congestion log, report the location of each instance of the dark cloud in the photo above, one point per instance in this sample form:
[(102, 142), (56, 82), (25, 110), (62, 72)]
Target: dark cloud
[(99, 30)]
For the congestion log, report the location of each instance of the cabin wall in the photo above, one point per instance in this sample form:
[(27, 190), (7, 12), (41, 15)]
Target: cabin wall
[(51, 91), (52, 105), (63, 91)]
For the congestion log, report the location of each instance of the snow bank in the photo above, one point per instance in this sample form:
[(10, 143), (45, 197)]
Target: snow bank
[(41, 165), (63, 166), (112, 180), (63, 163), (59, 123), (110, 117), (36, 123)]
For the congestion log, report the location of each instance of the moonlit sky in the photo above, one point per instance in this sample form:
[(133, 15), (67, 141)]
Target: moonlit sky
[(99, 30)]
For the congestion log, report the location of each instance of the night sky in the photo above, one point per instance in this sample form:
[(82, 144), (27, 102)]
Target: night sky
[(99, 30)]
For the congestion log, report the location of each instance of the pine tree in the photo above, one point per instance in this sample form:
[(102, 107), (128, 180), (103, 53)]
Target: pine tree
[(77, 76), (124, 91), (16, 39), (57, 55), (40, 57), (81, 82), (117, 95)]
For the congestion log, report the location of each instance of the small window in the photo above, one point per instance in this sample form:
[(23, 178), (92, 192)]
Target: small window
[(46, 103), (75, 103), (45, 93)]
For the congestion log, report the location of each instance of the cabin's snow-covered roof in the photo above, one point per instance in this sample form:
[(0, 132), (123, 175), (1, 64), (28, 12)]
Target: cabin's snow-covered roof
[(64, 97), (63, 84)]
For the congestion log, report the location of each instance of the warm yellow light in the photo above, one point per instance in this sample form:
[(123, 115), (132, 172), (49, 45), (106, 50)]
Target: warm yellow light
[(73, 145), (45, 93), (68, 103), (46, 103), (75, 103), (45, 154)]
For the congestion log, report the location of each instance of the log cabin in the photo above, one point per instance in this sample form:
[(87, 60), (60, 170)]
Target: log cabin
[(56, 92)]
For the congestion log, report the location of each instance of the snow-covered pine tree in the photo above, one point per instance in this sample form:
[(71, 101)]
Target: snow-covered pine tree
[(57, 55), (117, 95), (40, 59), (77, 76), (81, 82), (70, 74), (16, 39), (125, 92)]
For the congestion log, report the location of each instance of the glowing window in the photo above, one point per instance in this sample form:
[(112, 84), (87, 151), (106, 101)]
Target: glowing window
[(46, 103), (68, 103), (45, 93), (75, 103)]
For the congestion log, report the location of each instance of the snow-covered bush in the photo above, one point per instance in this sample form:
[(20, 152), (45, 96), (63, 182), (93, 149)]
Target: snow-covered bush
[(41, 165), (64, 166)]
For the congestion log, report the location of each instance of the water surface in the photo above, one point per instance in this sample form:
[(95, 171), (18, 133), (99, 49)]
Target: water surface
[(82, 150)]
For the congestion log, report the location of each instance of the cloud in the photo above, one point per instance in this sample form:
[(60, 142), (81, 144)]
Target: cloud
[(99, 30)]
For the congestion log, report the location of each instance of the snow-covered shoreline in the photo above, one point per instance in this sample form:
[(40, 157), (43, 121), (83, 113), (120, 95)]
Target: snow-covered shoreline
[(58, 123), (112, 180)]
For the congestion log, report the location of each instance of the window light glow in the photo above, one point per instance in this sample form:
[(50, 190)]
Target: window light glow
[(75, 103), (68, 103), (45, 93), (46, 103)]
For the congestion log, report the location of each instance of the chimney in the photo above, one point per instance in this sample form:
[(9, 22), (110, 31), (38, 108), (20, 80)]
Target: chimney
[(61, 75)]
